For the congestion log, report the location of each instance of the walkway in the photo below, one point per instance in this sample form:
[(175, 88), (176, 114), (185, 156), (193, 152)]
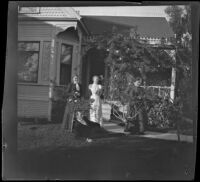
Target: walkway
[(114, 127)]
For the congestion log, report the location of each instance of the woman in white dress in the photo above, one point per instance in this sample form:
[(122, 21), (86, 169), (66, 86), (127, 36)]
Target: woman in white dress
[(96, 107)]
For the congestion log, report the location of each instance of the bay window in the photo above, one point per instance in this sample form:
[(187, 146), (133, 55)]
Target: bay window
[(28, 61)]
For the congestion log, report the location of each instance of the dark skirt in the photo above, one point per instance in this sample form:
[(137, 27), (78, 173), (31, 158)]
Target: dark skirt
[(86, 131)]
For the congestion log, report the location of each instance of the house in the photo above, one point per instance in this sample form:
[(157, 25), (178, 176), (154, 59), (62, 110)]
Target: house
[(51, 43)]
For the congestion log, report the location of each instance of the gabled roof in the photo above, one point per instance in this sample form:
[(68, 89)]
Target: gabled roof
[(53, 12), (149, 27)]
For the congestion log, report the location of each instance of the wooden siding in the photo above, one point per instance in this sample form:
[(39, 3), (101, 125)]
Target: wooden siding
[(33, 90), (33, 100), (37, 31), (33, 108)]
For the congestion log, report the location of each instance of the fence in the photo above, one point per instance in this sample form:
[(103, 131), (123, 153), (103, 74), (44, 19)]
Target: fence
[(161, 91)]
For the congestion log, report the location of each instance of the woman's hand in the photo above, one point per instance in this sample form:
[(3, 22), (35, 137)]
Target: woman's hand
[(98, 92), (92, 100), (77, 93)]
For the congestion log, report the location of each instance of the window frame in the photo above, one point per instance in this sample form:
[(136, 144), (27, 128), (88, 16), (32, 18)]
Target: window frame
[(39, 61), (60, 42)]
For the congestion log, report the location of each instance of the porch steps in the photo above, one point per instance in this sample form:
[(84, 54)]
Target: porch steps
[(113, 127), (106, 111)]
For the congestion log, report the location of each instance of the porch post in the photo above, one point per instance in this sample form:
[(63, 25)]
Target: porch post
[(79, 54), (106, 81), (173, 76), (172, 90), (52, 72)]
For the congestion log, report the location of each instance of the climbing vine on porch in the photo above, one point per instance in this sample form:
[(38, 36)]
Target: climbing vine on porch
[(128, 58)]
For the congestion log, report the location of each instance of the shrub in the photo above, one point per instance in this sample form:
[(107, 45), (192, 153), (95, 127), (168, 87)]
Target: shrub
[(163, 113)]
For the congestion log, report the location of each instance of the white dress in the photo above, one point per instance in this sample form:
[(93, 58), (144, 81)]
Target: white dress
[(96, 107)]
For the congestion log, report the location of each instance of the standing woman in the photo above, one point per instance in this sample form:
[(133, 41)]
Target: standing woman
[(96, 107), (74, 94)]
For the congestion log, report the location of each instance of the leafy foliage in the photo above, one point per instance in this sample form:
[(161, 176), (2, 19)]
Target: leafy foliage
[(163, 114), (129, 59), (175, 17), (180, 21), (184, 80)]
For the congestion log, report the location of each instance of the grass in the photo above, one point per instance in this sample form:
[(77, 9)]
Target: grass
[(45, 152), (32, 136)]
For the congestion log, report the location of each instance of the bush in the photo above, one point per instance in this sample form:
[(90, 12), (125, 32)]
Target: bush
[(163, 114)]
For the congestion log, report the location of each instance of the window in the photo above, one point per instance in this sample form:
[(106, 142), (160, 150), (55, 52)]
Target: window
[(28, 61), (65, 64)]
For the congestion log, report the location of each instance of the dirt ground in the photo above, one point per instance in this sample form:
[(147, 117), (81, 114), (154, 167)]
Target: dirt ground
[(45, 152)]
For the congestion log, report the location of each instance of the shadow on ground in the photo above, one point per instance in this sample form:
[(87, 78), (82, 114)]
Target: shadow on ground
[(46, 153)]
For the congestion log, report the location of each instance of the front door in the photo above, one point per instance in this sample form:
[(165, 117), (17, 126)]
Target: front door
[(93, 65), (65, 64), (97, 65)]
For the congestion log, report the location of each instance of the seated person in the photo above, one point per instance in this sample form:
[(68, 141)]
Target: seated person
[(85, 128)]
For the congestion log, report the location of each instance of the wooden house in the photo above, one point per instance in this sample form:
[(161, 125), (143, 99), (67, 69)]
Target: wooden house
[(49, 45), (51, 48)]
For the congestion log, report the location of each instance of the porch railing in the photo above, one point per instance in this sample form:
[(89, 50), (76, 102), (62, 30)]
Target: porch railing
[(161, 91)]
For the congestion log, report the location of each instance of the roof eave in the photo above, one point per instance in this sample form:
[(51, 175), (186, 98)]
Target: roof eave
[(31, 18), (84, 27)]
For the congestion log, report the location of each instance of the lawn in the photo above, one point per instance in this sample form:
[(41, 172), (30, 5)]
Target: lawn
[(31, 136), (47, 153)]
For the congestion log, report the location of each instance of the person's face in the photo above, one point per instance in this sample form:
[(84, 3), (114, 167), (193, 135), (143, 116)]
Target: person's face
[(75, 79), (137, 83), (79, 115), (96, 79)]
